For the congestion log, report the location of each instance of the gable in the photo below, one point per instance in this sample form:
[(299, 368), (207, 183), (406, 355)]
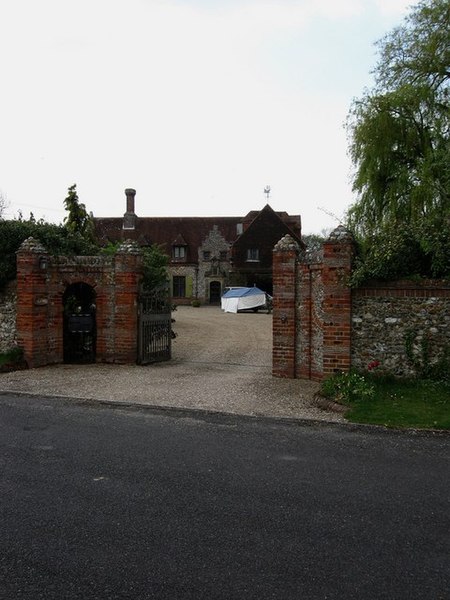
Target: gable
[(260, 236)]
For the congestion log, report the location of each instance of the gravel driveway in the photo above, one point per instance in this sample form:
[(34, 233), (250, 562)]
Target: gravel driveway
[(221, 362)]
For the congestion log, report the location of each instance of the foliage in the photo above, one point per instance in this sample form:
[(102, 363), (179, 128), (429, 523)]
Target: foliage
[(345, 387), (396, 252), (399, 144), (110, 249), (404, 403), (155, 263), (12, 356), (3, 203), (75, 237), (313, 243), (55, 238), (417, 349), (78, 221), (155, 267)]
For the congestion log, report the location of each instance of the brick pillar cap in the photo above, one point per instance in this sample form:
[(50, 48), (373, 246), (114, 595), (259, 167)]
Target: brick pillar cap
[(128, 247), (287, 244), (32, 245), (340, 234)]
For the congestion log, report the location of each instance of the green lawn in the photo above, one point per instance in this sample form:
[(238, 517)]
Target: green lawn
[(417, 404)]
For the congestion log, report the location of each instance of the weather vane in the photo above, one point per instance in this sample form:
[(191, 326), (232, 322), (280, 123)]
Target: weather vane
[(267, 191)]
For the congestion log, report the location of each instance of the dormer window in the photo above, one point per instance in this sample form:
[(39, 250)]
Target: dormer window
[(252, 255), (179, 252), (179, 249)]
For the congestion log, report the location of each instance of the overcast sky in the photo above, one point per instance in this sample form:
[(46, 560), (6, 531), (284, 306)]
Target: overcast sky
[(197, 104)]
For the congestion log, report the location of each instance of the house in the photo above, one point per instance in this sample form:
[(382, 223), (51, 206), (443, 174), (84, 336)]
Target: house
[(207, 253)]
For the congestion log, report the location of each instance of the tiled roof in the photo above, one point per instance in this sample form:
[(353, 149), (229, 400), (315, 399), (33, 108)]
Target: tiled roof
[(165, 231)]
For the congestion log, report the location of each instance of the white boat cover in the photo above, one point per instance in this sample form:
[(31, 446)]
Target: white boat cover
[(242, 299)]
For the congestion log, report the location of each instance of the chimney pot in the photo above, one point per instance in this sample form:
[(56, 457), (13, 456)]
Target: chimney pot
[(130, 194)]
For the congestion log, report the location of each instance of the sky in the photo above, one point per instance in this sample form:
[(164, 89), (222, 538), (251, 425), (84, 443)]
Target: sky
[(196, 104)]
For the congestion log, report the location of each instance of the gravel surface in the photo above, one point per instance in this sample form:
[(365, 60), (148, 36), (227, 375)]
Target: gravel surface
[(221, 362)]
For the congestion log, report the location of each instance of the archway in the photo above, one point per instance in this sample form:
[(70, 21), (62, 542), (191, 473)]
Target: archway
[(215, 290), (79, 333)]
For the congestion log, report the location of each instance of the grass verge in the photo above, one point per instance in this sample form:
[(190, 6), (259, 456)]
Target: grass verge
[(420, 404)]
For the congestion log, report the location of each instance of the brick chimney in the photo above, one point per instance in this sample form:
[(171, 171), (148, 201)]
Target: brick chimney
[(129, 218)]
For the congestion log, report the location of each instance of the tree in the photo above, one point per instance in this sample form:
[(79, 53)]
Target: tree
[(78, 220), (399, 136), (3, 203), (155, 267)]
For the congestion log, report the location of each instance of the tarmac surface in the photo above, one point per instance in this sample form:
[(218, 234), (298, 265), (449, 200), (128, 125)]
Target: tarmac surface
[(221, 362)]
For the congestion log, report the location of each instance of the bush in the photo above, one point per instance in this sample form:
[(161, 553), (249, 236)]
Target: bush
[(55, 238), (394, 253), (347, 387), (11, 357)]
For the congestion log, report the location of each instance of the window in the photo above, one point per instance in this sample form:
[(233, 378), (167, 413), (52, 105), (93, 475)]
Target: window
[(252, 254), (206, 255), (179, 252), (223, 255), (239, 228), (179, 286)]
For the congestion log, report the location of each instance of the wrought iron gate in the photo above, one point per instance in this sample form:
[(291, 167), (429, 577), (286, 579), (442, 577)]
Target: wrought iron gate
[(155, 326), (79, 338)]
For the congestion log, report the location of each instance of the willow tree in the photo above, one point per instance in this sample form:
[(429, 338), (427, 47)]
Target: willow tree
[(399, 132)]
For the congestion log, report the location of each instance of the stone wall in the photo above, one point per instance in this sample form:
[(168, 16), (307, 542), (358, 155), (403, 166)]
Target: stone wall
[(8, 299), (385, 318), (322, 326)]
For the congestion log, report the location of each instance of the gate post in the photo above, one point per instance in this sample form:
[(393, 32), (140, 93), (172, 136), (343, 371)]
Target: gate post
[(285, 255), (32, 302), (337, 261), (128, 274)]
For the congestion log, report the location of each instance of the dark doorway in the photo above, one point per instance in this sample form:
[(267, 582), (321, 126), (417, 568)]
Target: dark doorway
[(215, 290), (79, 323)]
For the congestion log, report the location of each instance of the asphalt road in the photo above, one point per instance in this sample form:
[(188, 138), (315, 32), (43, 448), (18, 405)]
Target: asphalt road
[(104, 503)]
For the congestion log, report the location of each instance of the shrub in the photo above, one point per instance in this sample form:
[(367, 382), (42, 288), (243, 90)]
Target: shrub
[(12, 356), (55, 238), (346, 387), (418, 355)]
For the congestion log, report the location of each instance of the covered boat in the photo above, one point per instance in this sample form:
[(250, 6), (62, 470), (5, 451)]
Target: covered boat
[(243, 298)]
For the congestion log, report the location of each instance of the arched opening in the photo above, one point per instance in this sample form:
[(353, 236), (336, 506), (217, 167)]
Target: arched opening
[(215, 290), (79, 334)]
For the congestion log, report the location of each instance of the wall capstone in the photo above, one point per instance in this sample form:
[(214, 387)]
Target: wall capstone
[(340, 234), (32, 245), (128, 247), (287, 244)]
